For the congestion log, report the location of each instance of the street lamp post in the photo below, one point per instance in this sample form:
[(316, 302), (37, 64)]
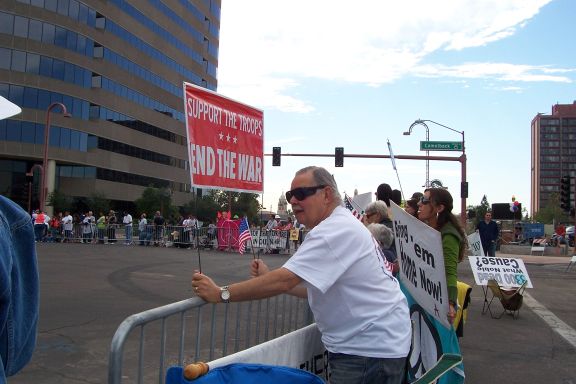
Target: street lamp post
[(43, 187), (407, 133), (463, 185)]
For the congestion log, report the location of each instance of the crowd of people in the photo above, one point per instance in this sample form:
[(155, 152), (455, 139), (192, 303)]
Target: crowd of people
[(368, 333), (87, 228), (183, 232)]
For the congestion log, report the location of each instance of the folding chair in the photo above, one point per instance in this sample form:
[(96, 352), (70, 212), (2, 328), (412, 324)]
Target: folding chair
[(538, 245), (511, 300), (572, 262)]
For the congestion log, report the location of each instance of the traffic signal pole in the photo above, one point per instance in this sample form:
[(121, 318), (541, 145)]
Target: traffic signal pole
[(461, 159)]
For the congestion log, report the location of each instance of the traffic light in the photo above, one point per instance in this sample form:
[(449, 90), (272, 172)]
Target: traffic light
[(276, 155), (339, 157), (565, 193), (464, 189)]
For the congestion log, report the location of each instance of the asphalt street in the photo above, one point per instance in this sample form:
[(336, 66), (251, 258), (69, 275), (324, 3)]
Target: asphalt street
[(88, 290)]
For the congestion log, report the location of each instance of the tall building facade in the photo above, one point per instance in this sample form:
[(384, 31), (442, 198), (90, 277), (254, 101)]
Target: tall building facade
[(553, 153), (118, 68)]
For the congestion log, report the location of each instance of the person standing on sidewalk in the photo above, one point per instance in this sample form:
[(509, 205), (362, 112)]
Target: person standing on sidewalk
[(127, 221), (488, 230)]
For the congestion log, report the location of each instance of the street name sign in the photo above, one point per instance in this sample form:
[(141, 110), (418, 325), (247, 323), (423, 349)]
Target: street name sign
[(441, 146)]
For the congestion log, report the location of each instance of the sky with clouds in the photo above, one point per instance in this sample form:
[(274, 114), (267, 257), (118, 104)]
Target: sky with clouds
[(356, 74)]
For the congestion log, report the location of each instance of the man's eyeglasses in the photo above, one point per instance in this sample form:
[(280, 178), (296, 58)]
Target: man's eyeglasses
[(303, 192), (424, 200)]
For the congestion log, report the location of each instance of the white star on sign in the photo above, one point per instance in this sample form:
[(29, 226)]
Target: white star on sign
[(221, 136), (235, 140), (228, 137)]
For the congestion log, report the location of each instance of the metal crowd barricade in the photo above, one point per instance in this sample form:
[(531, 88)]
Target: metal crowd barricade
[(179, 334)]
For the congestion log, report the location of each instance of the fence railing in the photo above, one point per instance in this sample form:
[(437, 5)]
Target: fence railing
[(147, 343), (170, 235)]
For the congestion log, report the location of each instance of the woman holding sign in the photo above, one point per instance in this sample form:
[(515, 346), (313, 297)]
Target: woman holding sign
[(435, 209)]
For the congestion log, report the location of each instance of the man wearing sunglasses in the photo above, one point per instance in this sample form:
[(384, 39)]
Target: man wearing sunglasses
[(357, 304)]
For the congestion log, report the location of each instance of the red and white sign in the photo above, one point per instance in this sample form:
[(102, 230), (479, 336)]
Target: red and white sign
[(225, 142)]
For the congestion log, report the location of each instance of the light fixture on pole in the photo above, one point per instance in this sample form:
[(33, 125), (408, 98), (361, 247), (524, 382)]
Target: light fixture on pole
[(43, 188), (464, 183), (407, 133)]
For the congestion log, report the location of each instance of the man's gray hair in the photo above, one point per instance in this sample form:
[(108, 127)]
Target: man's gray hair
[(379, 207), (322, 177), (382, 234)]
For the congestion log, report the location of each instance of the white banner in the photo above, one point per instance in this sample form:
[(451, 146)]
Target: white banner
[(475, 244), (506, 271), (301, 349), (421, 260), (269, 239)]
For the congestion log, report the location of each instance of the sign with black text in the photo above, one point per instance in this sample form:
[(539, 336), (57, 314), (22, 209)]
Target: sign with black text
[(421, 261), (506, 271)]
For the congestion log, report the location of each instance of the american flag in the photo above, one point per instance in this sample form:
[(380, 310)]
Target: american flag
[(245, 235), (356, 211)]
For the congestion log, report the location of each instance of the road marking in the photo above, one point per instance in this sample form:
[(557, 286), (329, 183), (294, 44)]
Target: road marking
[(560, 327)]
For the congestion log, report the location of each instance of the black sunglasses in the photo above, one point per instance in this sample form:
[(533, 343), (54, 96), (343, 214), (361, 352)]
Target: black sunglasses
[(424, 200), (303, 192)]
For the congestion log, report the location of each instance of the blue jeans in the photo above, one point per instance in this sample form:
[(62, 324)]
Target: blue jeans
[(128, 231), (489, 249), (39, 231), (350, 369)]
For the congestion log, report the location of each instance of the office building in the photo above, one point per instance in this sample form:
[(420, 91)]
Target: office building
[(553, 153), (118, 68)]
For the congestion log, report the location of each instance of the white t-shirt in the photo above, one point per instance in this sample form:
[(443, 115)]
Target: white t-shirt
[(357, 304), (127, 220), (68, 224)]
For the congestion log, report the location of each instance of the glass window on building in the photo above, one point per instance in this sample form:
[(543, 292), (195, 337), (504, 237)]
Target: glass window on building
[(35, 30), (6, 23), (28, 132), (5, 57), (18, 61), (21, 26)]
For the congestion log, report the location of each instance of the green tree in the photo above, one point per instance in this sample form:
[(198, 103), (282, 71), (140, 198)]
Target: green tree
[(241, 204), (98, 202), (59, 201), (551, 212), (204, 208), (156, 199), (479, 210)]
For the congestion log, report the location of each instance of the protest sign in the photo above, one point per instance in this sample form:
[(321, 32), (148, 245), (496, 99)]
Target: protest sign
[(508, 272), (225, 142), (421, 260), (423, 281), (475, 244)]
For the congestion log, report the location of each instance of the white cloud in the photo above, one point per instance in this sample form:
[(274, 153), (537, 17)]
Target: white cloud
[(268, 47), (497, 71)]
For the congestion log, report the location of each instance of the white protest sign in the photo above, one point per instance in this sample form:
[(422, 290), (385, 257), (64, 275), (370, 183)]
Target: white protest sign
[(421, 261), (475, 244), (506, 271)]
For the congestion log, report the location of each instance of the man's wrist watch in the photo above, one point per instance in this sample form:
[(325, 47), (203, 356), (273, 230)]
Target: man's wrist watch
[(225, 294)]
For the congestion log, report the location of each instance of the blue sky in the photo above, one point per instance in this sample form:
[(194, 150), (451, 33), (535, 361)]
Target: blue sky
[(329, 75)]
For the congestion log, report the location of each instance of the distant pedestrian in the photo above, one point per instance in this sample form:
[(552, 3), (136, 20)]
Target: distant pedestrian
[(142, 230), (158, 228), (101, 227), (127, 221), (112, 222), (88, 226), (68, 224), (39, 225), (488, 230)]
